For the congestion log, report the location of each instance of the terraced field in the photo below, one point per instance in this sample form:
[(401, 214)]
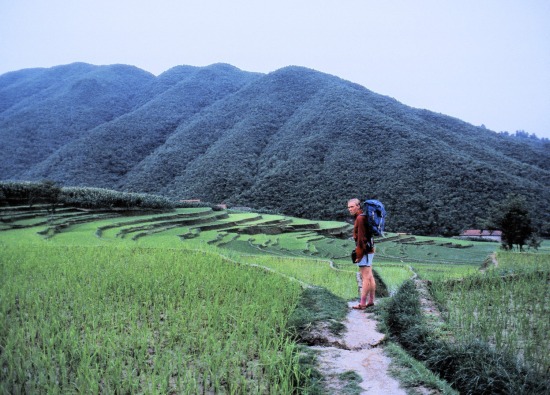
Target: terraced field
[(64, 264), (245, 233)]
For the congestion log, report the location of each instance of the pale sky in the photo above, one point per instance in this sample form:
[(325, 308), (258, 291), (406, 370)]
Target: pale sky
[(483, 61)]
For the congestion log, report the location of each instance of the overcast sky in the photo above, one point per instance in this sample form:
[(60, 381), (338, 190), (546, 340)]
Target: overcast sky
[(483, 61)]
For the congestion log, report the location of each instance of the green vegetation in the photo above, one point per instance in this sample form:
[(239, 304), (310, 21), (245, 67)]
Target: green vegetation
[(470, 365), (224, 135), (196, 299), (514, 219), (51, 195), (317, 305), (394, 275), (412, 373), (162, 311), (507, 307), (352, 381), (126, 320)]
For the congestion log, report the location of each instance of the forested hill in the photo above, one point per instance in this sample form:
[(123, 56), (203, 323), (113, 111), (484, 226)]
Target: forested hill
[(296, 141)]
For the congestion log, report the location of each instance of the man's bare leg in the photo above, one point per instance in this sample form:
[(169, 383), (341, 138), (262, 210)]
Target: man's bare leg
[(369, 286)]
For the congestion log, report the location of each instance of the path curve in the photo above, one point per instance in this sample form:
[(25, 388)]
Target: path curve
[(359, 350)]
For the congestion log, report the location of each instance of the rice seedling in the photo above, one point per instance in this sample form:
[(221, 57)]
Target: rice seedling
[(393, 274), (441, 271), (313, 272), (118, 319), (93, 312), (469, 364), (507, 307)]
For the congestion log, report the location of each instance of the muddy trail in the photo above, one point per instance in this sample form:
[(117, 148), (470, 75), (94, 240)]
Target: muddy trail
[(359, 350)]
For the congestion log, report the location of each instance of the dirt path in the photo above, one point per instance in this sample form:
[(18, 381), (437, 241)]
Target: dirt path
[(493, 257), (491, 260), (359, 350)]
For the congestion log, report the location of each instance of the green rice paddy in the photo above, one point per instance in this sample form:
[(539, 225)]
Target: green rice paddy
[(197, 301)]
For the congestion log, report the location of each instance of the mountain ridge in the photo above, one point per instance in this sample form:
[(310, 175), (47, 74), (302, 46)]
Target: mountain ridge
[(295, 140)]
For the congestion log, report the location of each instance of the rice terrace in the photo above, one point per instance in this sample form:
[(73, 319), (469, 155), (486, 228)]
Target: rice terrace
[(200, 299)]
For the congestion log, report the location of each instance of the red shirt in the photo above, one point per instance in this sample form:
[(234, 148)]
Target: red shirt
[(364, 243)]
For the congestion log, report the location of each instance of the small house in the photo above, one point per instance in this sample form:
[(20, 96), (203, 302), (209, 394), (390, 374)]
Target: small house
[(481, 235)]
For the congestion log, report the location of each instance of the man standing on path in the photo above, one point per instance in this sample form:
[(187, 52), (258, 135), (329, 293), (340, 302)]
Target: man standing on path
[(364, 253)]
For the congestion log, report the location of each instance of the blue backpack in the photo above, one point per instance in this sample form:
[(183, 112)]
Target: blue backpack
[(376, 215)]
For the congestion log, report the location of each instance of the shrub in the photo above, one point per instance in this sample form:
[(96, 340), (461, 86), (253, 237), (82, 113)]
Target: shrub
[(28, 193), (106, 198), (47, 192)]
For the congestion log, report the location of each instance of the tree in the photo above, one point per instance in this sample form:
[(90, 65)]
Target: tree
[(50, 192), (514, 221)]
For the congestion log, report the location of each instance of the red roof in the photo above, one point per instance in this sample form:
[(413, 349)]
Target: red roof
[(481, 233)]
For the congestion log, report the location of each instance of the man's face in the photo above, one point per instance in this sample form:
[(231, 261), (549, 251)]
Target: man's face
[(353, 208)]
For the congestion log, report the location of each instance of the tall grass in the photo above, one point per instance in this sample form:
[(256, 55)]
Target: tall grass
[(470, 365), (121, 320), (507, 307)]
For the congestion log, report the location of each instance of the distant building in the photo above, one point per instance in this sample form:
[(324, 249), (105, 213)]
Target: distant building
[(482, 235)]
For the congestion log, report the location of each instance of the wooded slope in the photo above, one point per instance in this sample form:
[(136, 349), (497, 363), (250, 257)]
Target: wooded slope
[(295, 140)]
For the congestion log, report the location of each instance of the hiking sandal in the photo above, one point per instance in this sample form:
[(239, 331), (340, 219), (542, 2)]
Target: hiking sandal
[(362, 306)]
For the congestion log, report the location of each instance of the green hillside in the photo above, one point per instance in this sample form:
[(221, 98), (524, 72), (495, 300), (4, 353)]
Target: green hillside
[(294, 141)]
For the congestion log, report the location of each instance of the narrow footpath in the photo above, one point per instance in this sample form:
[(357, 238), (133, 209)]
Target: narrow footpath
[(359, 350)]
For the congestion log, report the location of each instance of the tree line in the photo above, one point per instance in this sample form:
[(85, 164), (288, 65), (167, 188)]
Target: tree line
[(47, 192)]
